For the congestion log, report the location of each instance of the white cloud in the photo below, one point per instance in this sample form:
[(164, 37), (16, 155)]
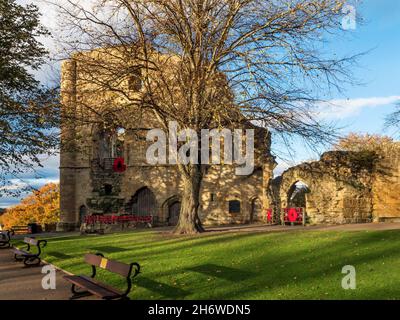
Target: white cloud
[(49, 173), (7, 201), (17, 184), (346, 108)]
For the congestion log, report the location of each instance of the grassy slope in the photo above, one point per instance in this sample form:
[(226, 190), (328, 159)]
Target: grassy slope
[(291, 265)]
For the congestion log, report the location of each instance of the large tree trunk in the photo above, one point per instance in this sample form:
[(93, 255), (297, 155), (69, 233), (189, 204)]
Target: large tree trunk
[(189, 221)]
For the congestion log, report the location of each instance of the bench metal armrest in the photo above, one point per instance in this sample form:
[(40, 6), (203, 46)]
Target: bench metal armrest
[(5, 235), (94, 271), (130, 277), (137, 269), (42, 243)]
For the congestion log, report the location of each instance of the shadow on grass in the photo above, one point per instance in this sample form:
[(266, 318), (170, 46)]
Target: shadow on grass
[(112, 236), (58, 255), (178, 245), (162, 289), (107, 249), (223, 272), (327, 261), (153, 249), (305, 265)]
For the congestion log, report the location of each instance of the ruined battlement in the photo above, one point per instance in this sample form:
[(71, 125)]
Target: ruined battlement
[(347, 186)]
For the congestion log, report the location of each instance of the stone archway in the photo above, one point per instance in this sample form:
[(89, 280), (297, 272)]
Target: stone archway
[(143, 203), (171, 210), (297, 190), (255, 210), (82, 213), (297, 195), (174, 210)]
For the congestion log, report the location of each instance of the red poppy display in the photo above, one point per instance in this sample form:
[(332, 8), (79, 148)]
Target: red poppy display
[(119, 165), (293, 215), (116, 219), (269, 215)]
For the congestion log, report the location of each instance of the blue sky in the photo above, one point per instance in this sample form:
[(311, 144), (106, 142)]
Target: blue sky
[(358, 109), (364, 108)]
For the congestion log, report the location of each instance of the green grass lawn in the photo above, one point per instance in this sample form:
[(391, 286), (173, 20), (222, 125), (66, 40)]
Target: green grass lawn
[(284, 265)]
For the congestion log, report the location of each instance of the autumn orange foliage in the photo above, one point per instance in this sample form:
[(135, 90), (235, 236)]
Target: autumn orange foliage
[(364, 142), (41, 206)]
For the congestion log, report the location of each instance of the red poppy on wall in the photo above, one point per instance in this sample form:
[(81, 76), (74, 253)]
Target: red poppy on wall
[(119, 165), (269, 215), (293, 215)]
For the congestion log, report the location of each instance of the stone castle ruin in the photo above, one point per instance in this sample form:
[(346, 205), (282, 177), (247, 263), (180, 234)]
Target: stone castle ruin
[(343, 187), (90, 185)]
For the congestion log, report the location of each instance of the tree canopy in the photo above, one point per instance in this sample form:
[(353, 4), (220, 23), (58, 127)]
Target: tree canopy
[(393, 120), (364, 143), (41, 206), (27, 113)]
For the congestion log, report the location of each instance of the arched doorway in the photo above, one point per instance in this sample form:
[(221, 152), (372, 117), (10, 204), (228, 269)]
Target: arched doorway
[(174, 210), (143, 203), (297, 195), (82, 213), (256, 210)]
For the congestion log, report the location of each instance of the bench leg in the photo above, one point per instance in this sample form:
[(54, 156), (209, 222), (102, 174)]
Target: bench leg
[(28, 261), (123, 298), (18, 258), (78, 294)]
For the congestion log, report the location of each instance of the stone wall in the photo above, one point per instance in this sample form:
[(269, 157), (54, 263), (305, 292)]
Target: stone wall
[(340, 188), (219, 187), (344, 187), (83, 175), (386, 185), (348, 187)]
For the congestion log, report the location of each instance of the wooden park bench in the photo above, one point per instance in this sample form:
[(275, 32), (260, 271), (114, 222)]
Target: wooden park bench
[(101, 290), (29, 257), (5, 238), (21, 229)]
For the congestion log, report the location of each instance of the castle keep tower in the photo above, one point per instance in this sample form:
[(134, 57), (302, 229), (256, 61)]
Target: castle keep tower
[(68, 171), (90, 185)]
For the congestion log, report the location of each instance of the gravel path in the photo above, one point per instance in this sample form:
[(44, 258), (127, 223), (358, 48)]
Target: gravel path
[(20, 283)]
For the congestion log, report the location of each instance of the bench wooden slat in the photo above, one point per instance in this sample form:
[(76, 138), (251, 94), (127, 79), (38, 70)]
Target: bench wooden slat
[(121, 268), (100, 289), (23, 253), (92, 287), (20, 229), (101, 284), (31, 241)]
